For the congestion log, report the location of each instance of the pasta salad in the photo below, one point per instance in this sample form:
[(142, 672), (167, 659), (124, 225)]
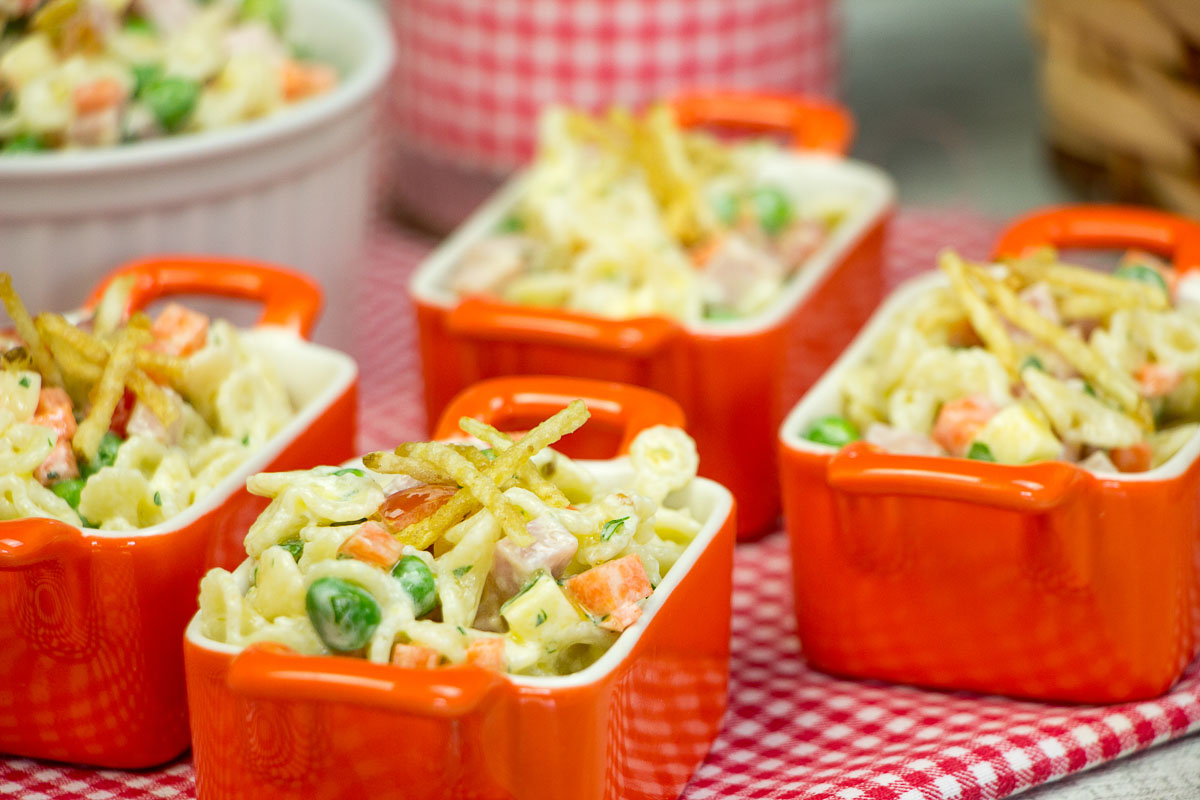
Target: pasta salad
[(97, 73), (625, 216), (1033, 360), (510, 556), (121, 425)]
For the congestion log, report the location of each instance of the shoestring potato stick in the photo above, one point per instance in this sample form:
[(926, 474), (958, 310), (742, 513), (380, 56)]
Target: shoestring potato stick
[(500, 441), (983, 319), (42, 359), (109, 390), (424, 533), (1082, 357)]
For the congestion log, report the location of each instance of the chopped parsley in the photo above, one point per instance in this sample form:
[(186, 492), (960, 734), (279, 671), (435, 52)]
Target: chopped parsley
[(24, 381), (461, 630), (158, 498), (246, 440), (49, 441), (463, 570), (351, 471), (541, 617), (612, 528), (980, 452), (489, 453)]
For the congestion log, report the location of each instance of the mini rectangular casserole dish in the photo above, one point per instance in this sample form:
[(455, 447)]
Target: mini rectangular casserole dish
[(91, 667), (636, 723), (733, 379), (1043, 580)]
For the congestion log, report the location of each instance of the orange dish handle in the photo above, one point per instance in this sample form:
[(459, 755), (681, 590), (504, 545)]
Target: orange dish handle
[(24, 542), (290, 299), (629, 408), (1101, 227), (274, 672), (810, 123), (862, 468), (477, 318)]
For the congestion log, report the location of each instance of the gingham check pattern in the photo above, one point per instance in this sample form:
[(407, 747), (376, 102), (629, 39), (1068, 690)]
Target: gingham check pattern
[(472, 74), (789, 732)]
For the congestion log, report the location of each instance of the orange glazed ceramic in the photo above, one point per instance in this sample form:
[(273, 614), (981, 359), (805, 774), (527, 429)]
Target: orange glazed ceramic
[(1043, 580), (633, 725), (734, 380), (91, 670)]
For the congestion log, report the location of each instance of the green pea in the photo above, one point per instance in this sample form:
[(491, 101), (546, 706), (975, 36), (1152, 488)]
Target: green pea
[(726, 207), (140, 26), (1142, 274), (510, 224), (832, 430), (345, 616), (293, 546), (171, 100), (980, 452), (271, 12), (106, 455), (24, 143), (143, 76), (773, 209), (417, 580), (70, 490), (1032, 361), (351, 471)]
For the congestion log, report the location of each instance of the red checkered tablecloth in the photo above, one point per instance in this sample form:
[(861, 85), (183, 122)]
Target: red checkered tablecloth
[(789, 732)]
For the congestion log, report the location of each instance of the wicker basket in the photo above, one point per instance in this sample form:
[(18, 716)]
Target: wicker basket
[(1120, 80)]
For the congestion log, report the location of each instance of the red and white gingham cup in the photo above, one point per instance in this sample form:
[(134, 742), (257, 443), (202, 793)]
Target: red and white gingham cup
[(473, 74)]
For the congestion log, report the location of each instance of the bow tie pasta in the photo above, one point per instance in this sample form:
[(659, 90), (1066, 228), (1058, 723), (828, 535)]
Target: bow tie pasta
[(625, 216), (123, 426), (533, 566), (1031, 360)]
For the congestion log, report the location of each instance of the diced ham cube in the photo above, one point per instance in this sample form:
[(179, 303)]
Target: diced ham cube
[(735, 269), (1158, 380), (622, 618), (552, 550), (144, 422), (799, 241), (959, 421), (609, 587), (487, 653), (493, 262), (898, 441), (372, 544), (408, 506), (179, 331), (412, 656)]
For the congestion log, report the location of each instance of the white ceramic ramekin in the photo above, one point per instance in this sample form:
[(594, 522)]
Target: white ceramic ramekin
[(294, 188)]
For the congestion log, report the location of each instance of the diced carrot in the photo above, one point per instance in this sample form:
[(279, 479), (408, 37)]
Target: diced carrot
[(486, 653), (1135, 458), (60, 465), (701, 254), (622, 618), (605, 588), (415, 656), (373, 544), (1158, 380), (179, 330), (407, 506), (959, 421), (304, 80), (97, 95), (54, 411)]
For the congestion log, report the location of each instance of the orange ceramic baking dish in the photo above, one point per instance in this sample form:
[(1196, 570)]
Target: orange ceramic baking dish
[(1043, 580), (734, 380), (635, 724), (91, 670)]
